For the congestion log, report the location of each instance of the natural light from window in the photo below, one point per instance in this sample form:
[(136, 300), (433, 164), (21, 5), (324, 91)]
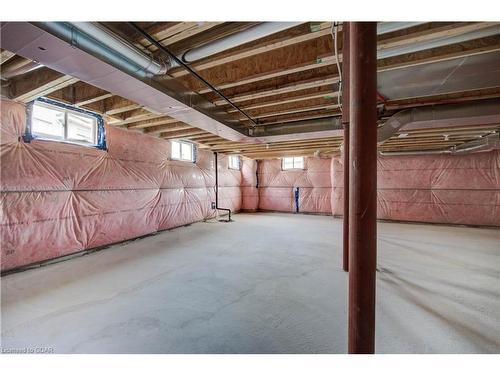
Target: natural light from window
[(234, 162), (293, 162), (182, 151), (58, 123)]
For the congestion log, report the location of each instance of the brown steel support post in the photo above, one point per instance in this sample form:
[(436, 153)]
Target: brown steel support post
[(363, 187), (345, 123)]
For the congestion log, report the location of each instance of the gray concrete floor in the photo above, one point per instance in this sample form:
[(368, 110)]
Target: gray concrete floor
[(266, 283)]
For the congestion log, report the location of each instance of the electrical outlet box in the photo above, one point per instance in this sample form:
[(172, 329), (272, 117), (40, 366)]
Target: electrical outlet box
[(213, 205)]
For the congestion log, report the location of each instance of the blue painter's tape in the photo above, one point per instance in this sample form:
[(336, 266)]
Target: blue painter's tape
[(297, 199)]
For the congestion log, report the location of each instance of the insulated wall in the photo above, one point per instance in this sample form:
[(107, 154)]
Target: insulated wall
[(451, 189), (249, 190), (278, 188), (229, 184), (59, 198)]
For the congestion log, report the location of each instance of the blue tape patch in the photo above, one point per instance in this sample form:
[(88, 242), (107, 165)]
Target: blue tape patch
[(297, 199)]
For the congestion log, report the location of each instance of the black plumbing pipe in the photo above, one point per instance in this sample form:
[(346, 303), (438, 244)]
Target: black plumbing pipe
[(217, 190), (190, 70)]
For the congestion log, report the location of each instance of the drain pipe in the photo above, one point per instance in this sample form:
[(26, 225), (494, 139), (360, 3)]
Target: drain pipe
[(217, 191), (102, 43)]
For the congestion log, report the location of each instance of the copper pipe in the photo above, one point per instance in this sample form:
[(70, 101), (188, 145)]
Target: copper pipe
[(363, 183), (345, 123)]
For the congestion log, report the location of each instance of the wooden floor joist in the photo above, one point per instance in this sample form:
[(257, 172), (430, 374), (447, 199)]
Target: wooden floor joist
[(286, 77)]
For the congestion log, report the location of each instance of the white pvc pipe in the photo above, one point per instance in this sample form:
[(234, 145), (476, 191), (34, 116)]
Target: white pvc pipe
[(253, 33), (119, 45)]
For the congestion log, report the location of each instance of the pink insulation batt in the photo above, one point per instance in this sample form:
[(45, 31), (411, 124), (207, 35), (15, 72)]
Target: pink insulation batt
[(60, 198), (276, 187), (450, 189), (249, 191)]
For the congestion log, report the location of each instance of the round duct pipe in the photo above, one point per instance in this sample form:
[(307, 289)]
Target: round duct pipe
[(249, 35), (443, 112), (121, 46), (105, 46)]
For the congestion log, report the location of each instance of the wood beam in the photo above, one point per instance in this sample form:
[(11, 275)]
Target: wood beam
[(175, 33), (37, 83), (456, 97), (310, 115), (295, 107), (325, 92), (182, 133), (5, 55), (433, 34), (174, 126), (144, 124), (217, 32), (460, 50), (277, 43), (80, 94), (273, 155), (295, 86), (269, 65), (113, 106)]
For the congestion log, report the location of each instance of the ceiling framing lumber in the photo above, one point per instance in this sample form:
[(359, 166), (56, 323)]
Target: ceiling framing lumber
[(37, 83), (242, 53), (285, 77)]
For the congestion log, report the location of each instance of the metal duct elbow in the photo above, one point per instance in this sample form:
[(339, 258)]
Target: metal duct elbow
[(393, 124)]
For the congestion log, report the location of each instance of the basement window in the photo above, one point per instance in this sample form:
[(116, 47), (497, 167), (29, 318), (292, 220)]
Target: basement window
[(292, 162), (52, 120), (234, 162), (181, 150)]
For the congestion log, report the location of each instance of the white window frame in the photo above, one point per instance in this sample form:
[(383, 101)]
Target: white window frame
[(295, 161), (180, 158), (234, 157), (64, 138)]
